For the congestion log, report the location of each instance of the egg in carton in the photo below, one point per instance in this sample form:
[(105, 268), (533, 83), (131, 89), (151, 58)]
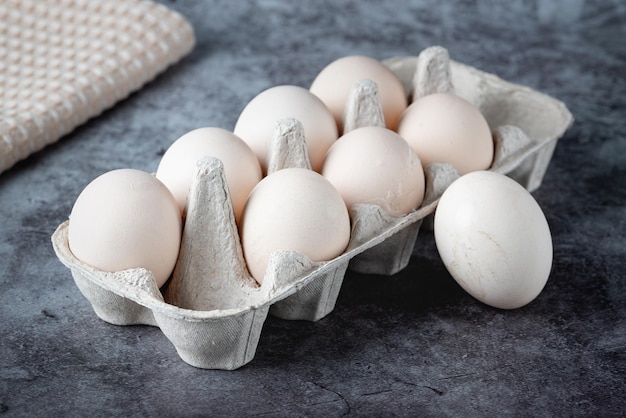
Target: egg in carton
[(212, 311)]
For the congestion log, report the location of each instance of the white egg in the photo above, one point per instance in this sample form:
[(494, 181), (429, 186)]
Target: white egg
[(494, 239), (444, 128), (126, 219), (241, 167), (334, 82), (293, 209), (375, 165), (257, 122)]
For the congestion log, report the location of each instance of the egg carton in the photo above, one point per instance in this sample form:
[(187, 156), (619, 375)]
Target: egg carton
[(212, 311)]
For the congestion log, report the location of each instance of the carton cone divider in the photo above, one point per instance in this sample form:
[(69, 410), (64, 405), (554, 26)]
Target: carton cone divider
[(363, 107), (432, 74), (288, 147)]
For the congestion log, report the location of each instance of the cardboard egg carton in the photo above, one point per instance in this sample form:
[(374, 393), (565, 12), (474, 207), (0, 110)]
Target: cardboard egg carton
[(212, 311)]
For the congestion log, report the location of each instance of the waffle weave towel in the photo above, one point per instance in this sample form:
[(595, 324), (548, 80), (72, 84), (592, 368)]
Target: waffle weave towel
[(65, 61)]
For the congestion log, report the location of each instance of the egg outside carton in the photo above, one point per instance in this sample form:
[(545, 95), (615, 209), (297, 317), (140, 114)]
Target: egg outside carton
[(213, 312)]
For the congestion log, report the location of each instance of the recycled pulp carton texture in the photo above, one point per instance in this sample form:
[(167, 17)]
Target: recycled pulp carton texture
[(212, 311)]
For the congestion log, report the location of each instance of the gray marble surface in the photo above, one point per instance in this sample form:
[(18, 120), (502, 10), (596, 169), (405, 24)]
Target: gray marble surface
[(413, 344)]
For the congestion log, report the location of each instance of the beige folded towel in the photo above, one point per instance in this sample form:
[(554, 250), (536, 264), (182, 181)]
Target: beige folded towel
[(64, 61)]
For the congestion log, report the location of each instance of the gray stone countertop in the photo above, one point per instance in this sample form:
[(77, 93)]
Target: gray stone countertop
[(413, 344)]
